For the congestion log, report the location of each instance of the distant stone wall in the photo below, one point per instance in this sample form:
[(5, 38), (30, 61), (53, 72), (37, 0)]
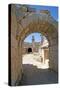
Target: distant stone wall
[(26, 45)]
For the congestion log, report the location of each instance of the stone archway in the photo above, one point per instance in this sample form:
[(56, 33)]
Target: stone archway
[(48, 29), (33, 22), (29, 50)]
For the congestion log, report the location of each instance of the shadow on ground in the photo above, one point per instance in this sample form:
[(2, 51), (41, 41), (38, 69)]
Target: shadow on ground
[(34, 76)]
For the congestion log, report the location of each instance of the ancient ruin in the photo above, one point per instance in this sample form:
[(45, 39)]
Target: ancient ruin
[(25, 21)]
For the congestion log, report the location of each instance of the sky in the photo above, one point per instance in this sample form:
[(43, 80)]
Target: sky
[(53, 10), (54, 13), (37, 37)]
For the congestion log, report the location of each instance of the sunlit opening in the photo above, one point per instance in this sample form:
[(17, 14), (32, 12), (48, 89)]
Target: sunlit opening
[(35, 60), (36, 51)]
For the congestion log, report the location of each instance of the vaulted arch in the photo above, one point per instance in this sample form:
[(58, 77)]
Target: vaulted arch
[(44, 25)]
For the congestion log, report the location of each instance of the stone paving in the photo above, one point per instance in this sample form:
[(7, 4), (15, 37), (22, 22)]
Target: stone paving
[(33, 75)]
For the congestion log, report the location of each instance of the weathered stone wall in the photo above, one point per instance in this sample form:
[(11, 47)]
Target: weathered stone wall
[(15, 61), (53, 54)]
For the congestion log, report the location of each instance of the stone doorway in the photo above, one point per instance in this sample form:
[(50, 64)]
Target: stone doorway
[(29, 50)]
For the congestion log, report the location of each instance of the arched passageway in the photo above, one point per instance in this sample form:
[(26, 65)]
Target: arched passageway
[(29, 50), (33, 22), (45, 27), (36, 65), (48, 30)]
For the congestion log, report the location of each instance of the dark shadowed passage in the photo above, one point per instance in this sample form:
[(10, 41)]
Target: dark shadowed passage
[(29, 50), (34, 76)]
